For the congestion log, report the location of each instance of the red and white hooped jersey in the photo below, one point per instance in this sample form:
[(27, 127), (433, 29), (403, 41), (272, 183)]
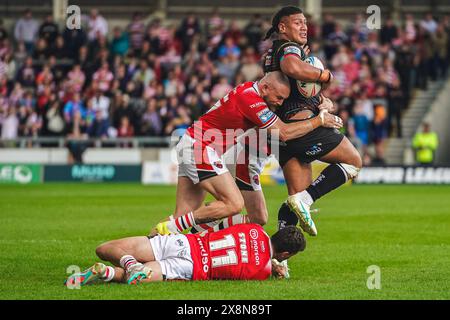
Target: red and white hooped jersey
[(241, 109), (240, 252)]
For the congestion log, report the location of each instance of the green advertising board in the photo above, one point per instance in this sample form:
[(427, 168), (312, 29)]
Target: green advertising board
[(20, 173), (92, 173)]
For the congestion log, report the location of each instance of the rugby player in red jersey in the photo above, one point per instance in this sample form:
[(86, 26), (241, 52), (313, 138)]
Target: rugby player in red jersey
[(241, 252), (201, 167)]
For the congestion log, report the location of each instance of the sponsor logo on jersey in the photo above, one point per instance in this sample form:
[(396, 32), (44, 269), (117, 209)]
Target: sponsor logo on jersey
[(218, 164), (205, 256), (258, 104), (265, 115), (263, 247), (255, 249), (182, 253), (254, 234), (292, 50)]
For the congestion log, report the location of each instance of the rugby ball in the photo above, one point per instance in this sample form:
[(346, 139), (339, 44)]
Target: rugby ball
[(310, 89)]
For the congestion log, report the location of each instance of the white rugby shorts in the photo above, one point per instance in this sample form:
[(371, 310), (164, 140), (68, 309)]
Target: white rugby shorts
[(174, 255)]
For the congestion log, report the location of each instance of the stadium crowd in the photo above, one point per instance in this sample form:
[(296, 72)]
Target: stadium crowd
[(149, 79)]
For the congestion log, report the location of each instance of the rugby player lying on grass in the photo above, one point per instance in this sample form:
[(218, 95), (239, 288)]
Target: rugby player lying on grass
[(241, 252)]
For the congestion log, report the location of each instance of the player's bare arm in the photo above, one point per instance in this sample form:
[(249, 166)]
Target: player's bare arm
[(274, 89), (289, 131), (294, 67)]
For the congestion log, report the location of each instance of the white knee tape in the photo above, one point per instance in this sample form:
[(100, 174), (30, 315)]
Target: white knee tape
[(352, 171)]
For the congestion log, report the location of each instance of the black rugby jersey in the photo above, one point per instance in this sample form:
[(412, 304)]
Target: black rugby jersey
[(296, 101)]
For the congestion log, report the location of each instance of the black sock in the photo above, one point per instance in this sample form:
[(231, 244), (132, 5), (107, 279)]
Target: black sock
[(286, 217), (330, 178)]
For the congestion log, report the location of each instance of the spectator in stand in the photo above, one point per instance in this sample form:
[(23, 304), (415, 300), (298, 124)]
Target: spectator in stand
[(44, 77), (335, 39), (125, 129), (250, 69), (441, 46), (3, 32), (77, 132), (97, 26), (362, 127), (49, 30), (76, 78), (41, 50), (254, 31), (28, 101), (410, 28), (388, 32), (380, 132), (144, 74), (10, 124), (74, 40), (396, 103), (220, 89), (100, 105), (54, 123), (122, 109), (27, 74), (188, 30), (99, 127), (215, 22), (429, 24), (75, 105), (59, 49), (43, 100), (26, 30), (229, 49), (120, 43), (16, 94), (404, 64), (136, 32), (103, 77), (151, 120), (180, 121)]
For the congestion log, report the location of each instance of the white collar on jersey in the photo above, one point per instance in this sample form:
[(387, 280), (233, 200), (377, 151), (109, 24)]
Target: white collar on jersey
[(255, 87)]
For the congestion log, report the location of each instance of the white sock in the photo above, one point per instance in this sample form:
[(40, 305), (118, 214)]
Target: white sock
[(127, 261), (232, 221), (109, 274), (305, 197)]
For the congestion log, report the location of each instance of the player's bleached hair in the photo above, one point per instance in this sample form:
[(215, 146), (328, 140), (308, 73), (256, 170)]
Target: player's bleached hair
[(289, 239), (283, 12)]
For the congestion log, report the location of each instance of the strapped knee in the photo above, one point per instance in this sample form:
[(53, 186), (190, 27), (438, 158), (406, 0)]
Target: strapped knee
[(352, 171)]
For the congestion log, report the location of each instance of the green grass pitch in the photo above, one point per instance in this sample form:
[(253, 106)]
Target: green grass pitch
[(404, 230)]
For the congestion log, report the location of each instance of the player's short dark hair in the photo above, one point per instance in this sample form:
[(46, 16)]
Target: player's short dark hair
[(283, 12), (289, 239)]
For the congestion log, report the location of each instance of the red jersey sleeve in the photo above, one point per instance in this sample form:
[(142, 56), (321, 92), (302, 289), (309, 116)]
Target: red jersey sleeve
[(253, 107)]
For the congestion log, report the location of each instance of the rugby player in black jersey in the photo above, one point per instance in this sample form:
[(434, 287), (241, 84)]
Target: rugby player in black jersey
[(325, 144)]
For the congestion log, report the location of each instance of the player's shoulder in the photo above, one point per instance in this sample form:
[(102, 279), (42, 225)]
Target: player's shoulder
[(290, 47), (249, 93)]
